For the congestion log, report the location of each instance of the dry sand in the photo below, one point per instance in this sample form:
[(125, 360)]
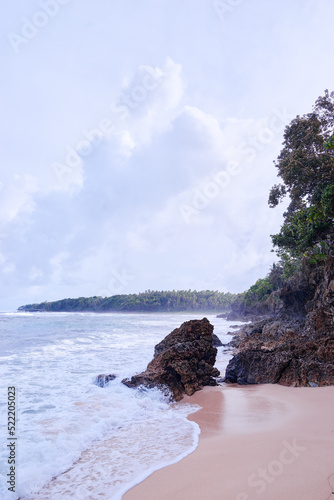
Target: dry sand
[(264, 442)]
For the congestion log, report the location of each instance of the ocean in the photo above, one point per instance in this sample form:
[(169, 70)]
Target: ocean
[(75, 439)]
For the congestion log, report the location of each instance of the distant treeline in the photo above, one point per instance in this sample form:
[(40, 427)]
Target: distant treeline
[(149, 301)]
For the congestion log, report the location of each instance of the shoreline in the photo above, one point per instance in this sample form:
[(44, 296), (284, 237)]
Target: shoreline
[(265, 442)]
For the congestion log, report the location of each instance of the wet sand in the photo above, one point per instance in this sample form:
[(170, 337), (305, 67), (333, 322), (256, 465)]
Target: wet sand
[(264, 442)]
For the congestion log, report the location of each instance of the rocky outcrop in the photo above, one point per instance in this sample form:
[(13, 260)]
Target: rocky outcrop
[(216, 342), (297, 346), (183, 362), (281, 352)]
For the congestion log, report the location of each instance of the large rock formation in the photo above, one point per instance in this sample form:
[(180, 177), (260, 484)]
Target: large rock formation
[(281, 352), (183, 361), (297, 346)]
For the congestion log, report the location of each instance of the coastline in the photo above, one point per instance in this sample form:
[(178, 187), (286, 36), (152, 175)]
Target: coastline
[(264, 442)]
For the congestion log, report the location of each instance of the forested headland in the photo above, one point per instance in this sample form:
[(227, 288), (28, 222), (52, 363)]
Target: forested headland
[(149, 301)]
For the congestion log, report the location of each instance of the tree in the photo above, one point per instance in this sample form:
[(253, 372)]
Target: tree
[(306, 167)]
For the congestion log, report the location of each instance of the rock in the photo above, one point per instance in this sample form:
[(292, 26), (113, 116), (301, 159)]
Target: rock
[(183, 362), (102, 380), (216, 342), (295, 348), (290, 361)]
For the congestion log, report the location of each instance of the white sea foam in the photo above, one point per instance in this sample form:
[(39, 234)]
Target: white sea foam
[(75, 439)]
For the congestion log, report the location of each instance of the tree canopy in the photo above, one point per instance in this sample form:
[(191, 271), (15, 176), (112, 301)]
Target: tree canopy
[(306, 167), (149, 301)]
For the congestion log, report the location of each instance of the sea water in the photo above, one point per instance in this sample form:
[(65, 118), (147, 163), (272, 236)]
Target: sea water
[(74, 438)]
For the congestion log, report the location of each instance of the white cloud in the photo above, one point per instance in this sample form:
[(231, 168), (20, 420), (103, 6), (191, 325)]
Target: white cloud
[(35, 273), (149, 102), (17, 197), (163, 114)]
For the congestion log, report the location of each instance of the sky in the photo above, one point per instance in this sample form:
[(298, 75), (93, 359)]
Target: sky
[(139, 139)]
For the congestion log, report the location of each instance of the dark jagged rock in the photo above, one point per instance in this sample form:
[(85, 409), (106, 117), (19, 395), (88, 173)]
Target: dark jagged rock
[(102, 380), (283, 355), (216, 342), (295, 348), (183, 362)]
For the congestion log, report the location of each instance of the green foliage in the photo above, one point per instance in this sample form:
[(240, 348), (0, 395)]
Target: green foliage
[(290, 266), (149, 301), (262, 288), (319, 252), (259, 298), (276, 194), (329, 144), (306, 166), (327, 201), (300, 231)]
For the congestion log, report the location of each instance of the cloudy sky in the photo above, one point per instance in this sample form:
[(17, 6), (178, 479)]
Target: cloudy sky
[(138, 140)]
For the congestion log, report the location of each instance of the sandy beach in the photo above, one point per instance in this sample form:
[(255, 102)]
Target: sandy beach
[(265, 442)]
